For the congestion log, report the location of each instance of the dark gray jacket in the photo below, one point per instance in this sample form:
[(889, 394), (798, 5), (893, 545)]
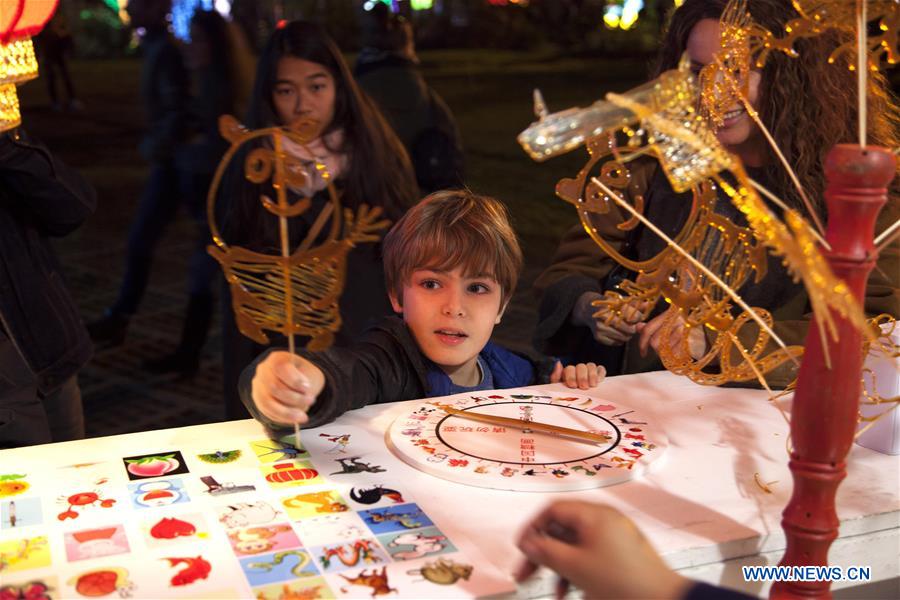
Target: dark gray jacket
[(40, 198), (386, 365)]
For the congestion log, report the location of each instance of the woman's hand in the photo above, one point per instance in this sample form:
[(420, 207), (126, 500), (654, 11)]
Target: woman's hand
[(597, 549), (581, 376), (619, 330), (285, 386), (650, 334)]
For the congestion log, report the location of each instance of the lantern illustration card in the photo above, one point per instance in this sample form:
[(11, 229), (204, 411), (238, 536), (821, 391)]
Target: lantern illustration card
[(155, 465), (22, 512), (290, 474), (93, 543)]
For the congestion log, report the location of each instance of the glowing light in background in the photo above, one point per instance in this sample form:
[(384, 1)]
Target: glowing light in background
[(183, 10), (421, 4), (118, 6), (392, 4), (623, 15)]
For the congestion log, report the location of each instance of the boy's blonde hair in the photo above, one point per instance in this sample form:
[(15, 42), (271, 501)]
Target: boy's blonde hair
[(450, 229)]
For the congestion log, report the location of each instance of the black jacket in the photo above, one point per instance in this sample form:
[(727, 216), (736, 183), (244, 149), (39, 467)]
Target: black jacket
[(40, 198), (165, 94), (386, 365)]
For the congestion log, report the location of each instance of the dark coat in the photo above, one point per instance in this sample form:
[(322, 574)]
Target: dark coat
[(386, 365), (165, 94), (418, 115), (40, 198)]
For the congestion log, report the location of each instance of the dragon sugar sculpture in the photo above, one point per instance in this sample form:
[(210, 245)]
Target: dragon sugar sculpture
[(700, 269)]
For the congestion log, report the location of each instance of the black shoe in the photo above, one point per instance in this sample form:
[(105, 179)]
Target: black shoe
[(111, 328), (177, 362)]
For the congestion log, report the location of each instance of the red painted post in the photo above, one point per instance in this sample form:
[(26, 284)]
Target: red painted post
[(824, 411)]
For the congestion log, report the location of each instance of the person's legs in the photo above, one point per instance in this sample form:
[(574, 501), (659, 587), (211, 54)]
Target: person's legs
[(157, 208), (49, 75), (202, 272), (65, 412), (66, 78), (73, 102), (23, 420)]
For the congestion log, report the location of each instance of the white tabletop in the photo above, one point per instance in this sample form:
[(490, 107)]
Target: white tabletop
[(699, 505)]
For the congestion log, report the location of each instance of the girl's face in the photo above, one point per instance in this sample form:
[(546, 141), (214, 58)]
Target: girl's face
[(303, 89), (738, 133)]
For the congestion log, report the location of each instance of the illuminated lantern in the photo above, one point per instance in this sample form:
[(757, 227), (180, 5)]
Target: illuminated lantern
[(287, 472), (19, 20)]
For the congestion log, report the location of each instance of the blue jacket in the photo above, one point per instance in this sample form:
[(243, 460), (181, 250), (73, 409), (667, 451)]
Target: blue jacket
[(386, 365)]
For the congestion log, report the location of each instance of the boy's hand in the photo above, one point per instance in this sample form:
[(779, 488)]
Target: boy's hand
[(582, 376), (599, 550), (285, 386)]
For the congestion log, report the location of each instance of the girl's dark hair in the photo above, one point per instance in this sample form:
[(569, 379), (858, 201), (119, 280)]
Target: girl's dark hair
[(379, 171), (806, 103)]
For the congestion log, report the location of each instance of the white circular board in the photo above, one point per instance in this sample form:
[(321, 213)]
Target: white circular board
[(508, 458)]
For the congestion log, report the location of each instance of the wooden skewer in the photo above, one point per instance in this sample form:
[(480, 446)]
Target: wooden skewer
[(537, 427)]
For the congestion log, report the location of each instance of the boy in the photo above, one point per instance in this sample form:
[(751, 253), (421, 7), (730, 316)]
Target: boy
[(451, 264)]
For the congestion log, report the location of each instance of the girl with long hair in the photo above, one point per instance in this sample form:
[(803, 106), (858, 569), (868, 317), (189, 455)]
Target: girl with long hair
[(302, 75), (809, 106)]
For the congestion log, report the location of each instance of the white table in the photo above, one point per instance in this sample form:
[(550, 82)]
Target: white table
[(700, 505)]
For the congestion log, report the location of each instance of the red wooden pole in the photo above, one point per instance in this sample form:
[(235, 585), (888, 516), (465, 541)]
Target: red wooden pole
[(824, 411)]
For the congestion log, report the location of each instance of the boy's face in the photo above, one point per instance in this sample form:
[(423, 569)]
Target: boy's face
[(451, 316)]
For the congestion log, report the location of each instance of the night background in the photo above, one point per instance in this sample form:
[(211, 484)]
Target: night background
[(484, 57)]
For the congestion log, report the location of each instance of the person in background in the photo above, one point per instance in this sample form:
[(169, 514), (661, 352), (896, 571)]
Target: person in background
[(301, 74), (451, 266), (54, 44), (388, 70), (809, 106), (165, 92), (222, 72), (43, 341), (601, 552)]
